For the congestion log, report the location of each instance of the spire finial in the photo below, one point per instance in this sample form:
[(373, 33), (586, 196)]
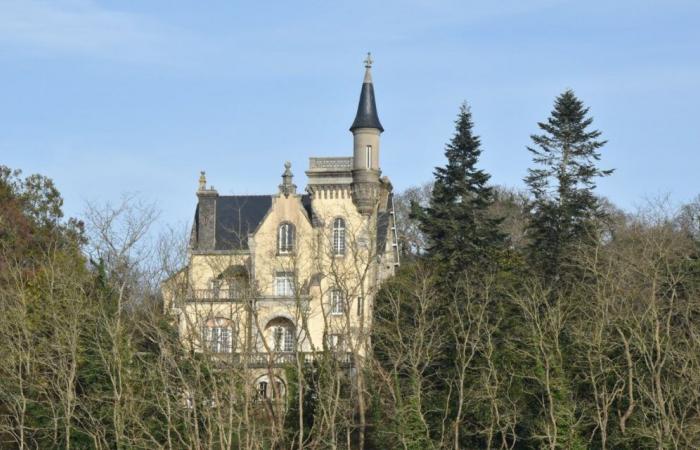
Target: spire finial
[(202, 181), (366, 116), (287, 187), (368, 61)]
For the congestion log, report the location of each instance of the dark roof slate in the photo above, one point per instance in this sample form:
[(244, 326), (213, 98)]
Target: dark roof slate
[(306, 203), (236, 217), (367, 116)]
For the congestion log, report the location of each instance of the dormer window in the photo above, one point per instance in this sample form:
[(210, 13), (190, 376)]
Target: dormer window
[(285, 239), (368, 156)]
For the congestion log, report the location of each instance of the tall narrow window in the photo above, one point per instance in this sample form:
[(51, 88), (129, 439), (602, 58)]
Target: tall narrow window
[(215, 285), (368, 156), (262, 390), (284, 284), (285, 238), (360, 305), (339, 236), (337, 302)]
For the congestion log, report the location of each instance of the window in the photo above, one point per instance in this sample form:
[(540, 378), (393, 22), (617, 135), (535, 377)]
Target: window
[(283, 338), (337, 302), (262, 389), (360, 305), (368, 156), (218, 335), (215, 285), (237, 287), (231, 284), (339, 236), (285, 238), (284, 284), (270, 388), (334, 341)]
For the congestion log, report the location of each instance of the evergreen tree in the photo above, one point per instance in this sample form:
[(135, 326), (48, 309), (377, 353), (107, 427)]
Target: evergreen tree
[(461, 232), (564, 208)]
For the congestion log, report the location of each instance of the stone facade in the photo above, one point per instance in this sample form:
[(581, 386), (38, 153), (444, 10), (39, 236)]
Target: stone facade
[(273, 278)]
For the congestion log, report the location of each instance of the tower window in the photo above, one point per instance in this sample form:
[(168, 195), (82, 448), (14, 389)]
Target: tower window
[(368, 156), (339, 236)]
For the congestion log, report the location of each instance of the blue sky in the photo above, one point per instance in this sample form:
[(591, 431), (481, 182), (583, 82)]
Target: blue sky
[(108, 97)]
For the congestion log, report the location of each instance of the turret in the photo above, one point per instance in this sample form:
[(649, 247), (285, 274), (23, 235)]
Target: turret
[(366, 130)]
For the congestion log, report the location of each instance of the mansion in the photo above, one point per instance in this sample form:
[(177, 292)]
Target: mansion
[(281, 278)]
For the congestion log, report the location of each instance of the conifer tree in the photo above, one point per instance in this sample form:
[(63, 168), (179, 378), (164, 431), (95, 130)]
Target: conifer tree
[(460, 231), (564, 208)]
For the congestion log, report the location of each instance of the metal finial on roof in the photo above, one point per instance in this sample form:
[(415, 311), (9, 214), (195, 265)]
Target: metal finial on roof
[(368, 61), (367, 116)]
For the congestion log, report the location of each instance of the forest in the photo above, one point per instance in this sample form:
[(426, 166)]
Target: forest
[(544, 317)]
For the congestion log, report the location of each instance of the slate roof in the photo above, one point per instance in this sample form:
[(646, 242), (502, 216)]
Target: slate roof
[(367, 116), (236, 217), (239, 215)]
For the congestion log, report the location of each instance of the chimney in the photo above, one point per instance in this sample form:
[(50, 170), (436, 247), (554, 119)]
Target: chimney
[(206, 215)]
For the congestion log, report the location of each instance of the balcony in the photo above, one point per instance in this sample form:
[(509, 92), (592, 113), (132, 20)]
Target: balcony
[(259, 360), (218, 295), (240, 295)]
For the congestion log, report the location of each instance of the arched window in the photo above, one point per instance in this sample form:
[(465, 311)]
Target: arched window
[(233, 283), (270, 388), (337, 301), (285, 238), (339, 236), (281, 336), (218, 335)]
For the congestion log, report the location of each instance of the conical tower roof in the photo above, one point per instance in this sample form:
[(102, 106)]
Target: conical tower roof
[(367, 116)]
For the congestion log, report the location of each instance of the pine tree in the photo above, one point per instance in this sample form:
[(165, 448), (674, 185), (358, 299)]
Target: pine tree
[(564, 208), (460, 231)]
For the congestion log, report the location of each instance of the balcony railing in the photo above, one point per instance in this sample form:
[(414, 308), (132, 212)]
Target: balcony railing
[(238, 295), (219, 295), (330, 163), (259, 360)]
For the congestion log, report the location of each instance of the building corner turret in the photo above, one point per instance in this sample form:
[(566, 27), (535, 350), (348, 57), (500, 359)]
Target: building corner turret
[(366, 130)]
